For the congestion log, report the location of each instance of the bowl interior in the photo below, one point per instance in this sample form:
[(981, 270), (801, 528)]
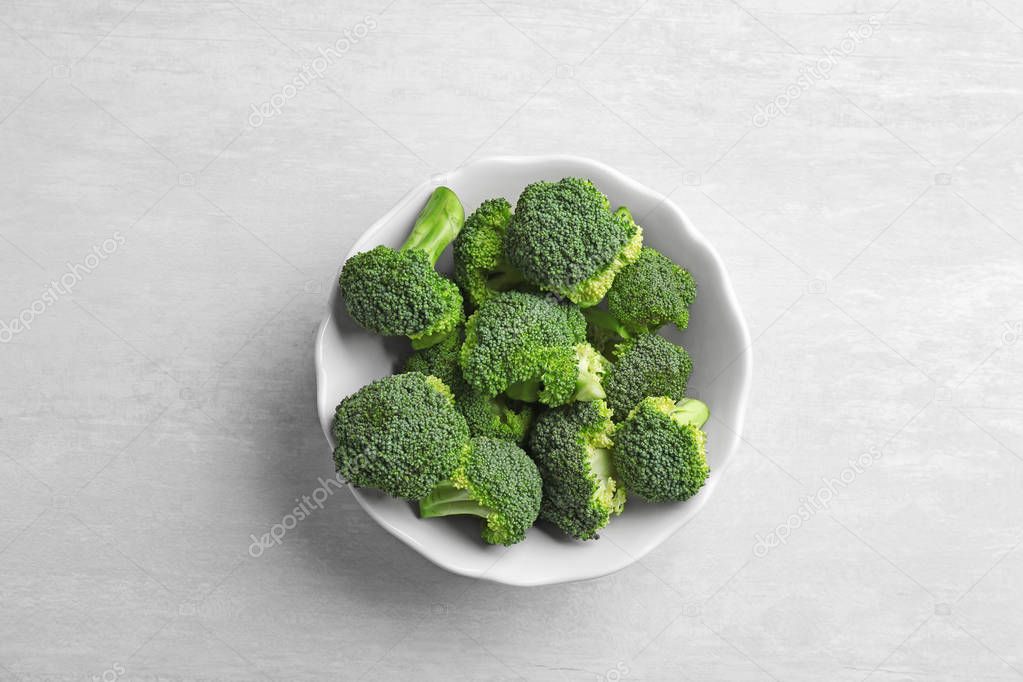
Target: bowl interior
[(348, 357)]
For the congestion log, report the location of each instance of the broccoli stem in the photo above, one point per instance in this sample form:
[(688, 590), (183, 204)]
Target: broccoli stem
[(437, 225), (504, 279), (446, 499), (590, 370), (421, 342), (526, 391), (587, 385), (691, 411), (600, 462), (602, 319)]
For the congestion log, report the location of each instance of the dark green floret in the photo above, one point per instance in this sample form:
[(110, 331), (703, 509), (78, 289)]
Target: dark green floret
[(496, 417), (660, 451), (399, 293), (480, 266), (564, 238), (400, 434), (495, 480), (651, 293), (531, 347), (645, 366), (572, 448), (442, 360)]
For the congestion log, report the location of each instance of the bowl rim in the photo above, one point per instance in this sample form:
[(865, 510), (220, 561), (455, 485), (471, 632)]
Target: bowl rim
[(659, 200)]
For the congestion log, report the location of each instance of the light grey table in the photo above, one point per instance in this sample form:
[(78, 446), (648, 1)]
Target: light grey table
[(180, 179)]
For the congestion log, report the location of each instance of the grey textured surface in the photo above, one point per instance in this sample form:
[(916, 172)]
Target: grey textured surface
[(159, 410)]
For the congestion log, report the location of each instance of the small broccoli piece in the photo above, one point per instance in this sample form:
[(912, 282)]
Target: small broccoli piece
[(660, 449), (564, 238), (644, 366), (401, 434), (526, 345), (496, 481), (583, 382), (399, 293), (650, 293), (572, 448), (442, 361), (480, 266), (495, 417)]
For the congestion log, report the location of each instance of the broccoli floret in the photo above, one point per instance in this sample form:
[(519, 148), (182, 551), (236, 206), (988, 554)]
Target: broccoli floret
[(531, 347), (644, 366), (495, 417), (572, 448), (496, 481), (660, 449), (564, 238), (442, 361), (399, 293), (581, 382), (651, 292), (401, 434), (480, 266)]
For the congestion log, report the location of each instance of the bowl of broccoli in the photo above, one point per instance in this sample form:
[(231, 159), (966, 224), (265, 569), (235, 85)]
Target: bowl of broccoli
[(532, 370)]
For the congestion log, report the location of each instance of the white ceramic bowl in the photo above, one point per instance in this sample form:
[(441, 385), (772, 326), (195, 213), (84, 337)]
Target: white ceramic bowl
[(348, 357)]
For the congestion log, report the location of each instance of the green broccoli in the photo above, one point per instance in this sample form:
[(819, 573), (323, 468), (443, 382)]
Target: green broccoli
[(572, 448), (660, 449), (399, 293), (530, 347), (564, 238), (495, 417), (588, 369), (401, 434), (644, 366), (650, 293), (442, 361), (494, 480), (603, 330), (480, 266)]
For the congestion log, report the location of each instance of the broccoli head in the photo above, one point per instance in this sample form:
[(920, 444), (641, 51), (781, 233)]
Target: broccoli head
[(442, 361), (651, 292), (399, 293), (480, 266), (531, 347), (660, 451), (400, 434), (564, 238), (495, 417), (572, 448), (644, 366), (494, 480)]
